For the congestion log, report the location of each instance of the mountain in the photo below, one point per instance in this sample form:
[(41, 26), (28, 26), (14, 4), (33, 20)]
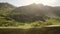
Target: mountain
[(14, 16), (31, 13), (56, 10), (5, 8)]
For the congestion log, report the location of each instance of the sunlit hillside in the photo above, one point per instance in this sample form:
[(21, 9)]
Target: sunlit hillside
[(33, 15)]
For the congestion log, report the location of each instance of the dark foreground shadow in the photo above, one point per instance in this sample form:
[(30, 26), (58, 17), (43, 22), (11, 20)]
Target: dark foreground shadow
[(44, 30)]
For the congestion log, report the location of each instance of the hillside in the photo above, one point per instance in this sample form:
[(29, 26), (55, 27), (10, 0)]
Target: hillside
[(5, 9), (33, 12), (31, 15)]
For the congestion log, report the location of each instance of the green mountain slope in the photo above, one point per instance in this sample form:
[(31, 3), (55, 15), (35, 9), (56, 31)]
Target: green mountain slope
[(34, 15), (31, 13), (5, 9)]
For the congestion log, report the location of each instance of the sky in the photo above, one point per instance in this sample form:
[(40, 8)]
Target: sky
[(27, 2)]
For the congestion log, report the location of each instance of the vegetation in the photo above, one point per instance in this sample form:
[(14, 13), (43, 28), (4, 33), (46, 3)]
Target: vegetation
[(34, 15)]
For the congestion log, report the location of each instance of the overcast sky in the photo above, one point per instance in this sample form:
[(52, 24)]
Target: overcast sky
[(27, 2)]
